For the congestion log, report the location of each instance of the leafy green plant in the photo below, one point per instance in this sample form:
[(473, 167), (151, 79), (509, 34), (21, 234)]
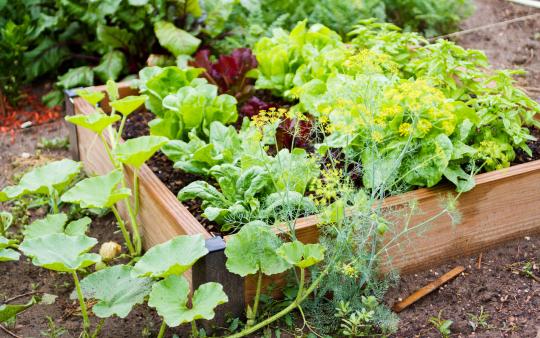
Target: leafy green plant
[(481, 320), (57, 223), (49, 180), (108, 190), (7, 252), (63, 253), (442, 325), (170, 295), (6, 220)]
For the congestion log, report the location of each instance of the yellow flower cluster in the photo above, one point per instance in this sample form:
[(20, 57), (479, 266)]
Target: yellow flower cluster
[(367, 61), (268, 117), (349, 270), (326, 188)]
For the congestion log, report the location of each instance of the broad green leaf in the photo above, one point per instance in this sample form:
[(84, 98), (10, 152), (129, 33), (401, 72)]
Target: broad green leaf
[(51, 224), (138, 150), (116, 290), (253, 249), (77, 77), (8, 255), (112, 90), (95, 122), (44, 180), (175, 40), (301, 255), (78, 227), (6, 219), (217, 13), (6, 243), (97, 192), (114, 37), (170, 298), (8, 311), (138, 2), (173, 257), (128, 104), (92, 97), (111, 65), (60, 252)]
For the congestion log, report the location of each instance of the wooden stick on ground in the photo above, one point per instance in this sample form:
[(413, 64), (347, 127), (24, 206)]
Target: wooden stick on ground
[(432, 286)]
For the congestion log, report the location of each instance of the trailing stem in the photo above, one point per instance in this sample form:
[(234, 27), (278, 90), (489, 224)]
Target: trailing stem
[(86, 321), (125, 233), (162, 329), (300, 297), (253, 315), (194, 330)]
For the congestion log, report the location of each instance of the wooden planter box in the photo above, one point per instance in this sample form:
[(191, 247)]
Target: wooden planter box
[(504, 205)]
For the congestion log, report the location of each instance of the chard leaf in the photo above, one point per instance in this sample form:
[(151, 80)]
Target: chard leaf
[(77, 77), (253, 249), (128, 104), (114, 37), (138, 150), (171, 296), (60, 252), (116, 290), (96, 122), (97, 192), (111, 65), (175, 40), (300, 254), (173, 257), (54, 176), (202, 190)]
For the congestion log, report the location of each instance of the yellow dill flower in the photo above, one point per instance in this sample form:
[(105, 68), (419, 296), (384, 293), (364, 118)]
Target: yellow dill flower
[(267, 117), (448, 127), (404, 129), (423, 126), (349, 271), (377, 136)]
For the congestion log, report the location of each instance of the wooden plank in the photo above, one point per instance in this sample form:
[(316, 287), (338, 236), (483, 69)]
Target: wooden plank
[(426, 290)]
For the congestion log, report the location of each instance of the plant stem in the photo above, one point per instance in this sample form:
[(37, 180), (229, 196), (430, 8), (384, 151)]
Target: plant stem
[(162, 329), (125, 233), (134, 228), (194, 331), (98, 328), (107, 149), (300, 296), (136, 190), (54, 202), (86, 321), (253, 316), (120, 129)]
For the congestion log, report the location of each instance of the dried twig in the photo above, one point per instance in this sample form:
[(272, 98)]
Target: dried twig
[(491, 25), (21, 296), (479, 265), (3, 328), (432, 286)]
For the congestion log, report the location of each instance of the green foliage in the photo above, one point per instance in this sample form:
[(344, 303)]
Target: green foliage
[(138, 150), (49, 179), (61, 252), (9, 311), (56, 223), (6, 220), (170, 297), (173, 257), (96, 122), (97, 192), (175, 40), (116, 290), (301, 255), (253, 249), (128, 104), (6, 252), (442, 325)]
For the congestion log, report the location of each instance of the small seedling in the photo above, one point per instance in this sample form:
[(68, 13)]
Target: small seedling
[(442, 325), (53, 331), (55, 143), (479, 321)]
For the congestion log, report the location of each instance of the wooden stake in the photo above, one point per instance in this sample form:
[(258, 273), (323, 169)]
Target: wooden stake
[(432, 286), (479, 261)]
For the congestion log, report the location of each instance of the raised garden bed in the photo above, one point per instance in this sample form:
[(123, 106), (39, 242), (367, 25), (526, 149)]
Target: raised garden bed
[(503, 206)]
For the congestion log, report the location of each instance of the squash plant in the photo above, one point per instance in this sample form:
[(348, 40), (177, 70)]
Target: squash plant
[(108, 190)]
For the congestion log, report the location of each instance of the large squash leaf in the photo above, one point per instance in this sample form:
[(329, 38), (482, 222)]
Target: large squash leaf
[(116, 290), (138, 150), (60, 252), (171, 295), (253, 249), (97, 192), (55, 176), (300, 254), (128, 104), (96, 122), (173, 257), (56, 224)]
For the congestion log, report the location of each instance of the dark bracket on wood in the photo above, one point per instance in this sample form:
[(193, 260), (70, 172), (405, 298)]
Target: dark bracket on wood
[(211, 268), (73, 136)]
